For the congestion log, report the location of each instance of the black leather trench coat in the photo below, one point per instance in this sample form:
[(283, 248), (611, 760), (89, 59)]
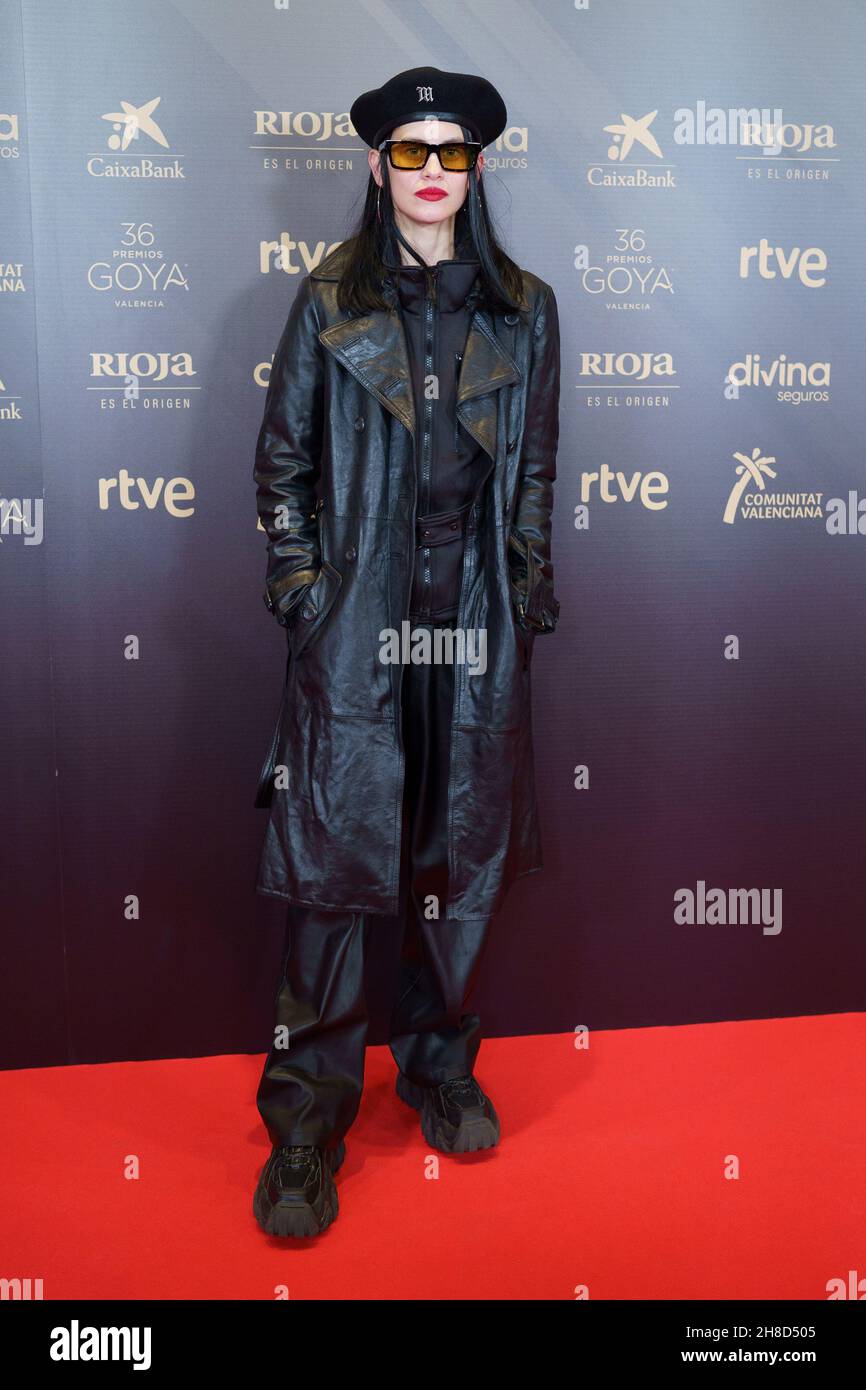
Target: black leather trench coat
[(335, 475)]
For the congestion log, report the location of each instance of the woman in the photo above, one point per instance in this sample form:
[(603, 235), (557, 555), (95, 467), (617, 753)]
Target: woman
[(404, 471)]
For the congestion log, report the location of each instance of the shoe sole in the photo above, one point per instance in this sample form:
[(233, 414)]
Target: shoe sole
[(471, 1135), (295, 1218)]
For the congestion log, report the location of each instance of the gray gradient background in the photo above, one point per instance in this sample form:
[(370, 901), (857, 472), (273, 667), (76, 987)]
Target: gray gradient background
[(138, 777)]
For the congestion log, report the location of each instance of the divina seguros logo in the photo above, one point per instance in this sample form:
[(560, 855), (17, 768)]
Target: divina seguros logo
[(8, 136)]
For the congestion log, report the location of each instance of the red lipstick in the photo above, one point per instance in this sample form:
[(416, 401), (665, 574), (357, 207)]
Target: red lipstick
[(432, 195)]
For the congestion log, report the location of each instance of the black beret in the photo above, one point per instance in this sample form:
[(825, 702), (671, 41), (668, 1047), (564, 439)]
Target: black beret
[(419, 93)]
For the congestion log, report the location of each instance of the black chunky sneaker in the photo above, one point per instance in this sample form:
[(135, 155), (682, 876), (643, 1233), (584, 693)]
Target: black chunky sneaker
[(296, 1195), (456, 1116)]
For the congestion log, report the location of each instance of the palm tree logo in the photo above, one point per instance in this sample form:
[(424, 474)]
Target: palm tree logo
[(631, 132), (750, 471), (134, 119)]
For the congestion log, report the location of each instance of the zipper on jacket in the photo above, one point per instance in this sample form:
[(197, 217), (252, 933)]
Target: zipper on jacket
[(427, 443), (458, 358), (413, 526)]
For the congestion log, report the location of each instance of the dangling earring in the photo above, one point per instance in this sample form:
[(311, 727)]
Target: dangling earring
[(378, 196)]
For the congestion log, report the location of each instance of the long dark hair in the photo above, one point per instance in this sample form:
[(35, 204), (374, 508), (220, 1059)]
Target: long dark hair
[(373, 246)]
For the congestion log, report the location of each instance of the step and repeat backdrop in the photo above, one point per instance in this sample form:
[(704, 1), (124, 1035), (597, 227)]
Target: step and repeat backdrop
[(690, 179)]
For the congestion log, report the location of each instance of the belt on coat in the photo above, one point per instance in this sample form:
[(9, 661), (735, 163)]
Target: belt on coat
[(438, 528)]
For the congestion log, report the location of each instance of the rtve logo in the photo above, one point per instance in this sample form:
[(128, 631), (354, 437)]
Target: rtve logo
[(130, 493), (771, 261)]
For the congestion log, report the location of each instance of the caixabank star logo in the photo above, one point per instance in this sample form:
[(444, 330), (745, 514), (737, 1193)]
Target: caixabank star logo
[(135, 142)]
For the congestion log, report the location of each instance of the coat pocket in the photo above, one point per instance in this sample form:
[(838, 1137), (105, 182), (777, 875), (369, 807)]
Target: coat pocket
[(317, 604)]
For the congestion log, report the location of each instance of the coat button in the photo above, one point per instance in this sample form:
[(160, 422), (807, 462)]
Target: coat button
[(360, 423), (351, 553), (454, 526), (308, 611), (426, 532), (511, 318)]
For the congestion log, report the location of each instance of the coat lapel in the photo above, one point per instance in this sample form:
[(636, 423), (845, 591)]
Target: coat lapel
[(373, 348)]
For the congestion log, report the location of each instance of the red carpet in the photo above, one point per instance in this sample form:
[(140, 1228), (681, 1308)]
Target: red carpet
[(610, 1174)]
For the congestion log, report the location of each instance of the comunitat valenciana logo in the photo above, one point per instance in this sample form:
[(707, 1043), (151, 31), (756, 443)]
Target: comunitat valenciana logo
[(752, 500), (135, 141), (12, 277)]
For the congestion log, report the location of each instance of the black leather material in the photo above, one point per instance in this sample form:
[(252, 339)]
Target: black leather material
[(336, 494), (442, 528), (265, 789), (313, 606), (309, 1092)]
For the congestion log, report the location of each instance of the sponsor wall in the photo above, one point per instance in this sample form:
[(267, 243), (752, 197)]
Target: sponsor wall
[(690, 181)]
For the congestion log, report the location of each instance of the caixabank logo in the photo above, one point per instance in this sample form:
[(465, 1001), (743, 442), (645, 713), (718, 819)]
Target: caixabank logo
[(638, 152), (135, 145), (10, 405), (634, 156)]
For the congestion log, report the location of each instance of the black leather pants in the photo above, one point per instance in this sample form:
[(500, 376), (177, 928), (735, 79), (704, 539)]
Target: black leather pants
[(310, 1088)]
